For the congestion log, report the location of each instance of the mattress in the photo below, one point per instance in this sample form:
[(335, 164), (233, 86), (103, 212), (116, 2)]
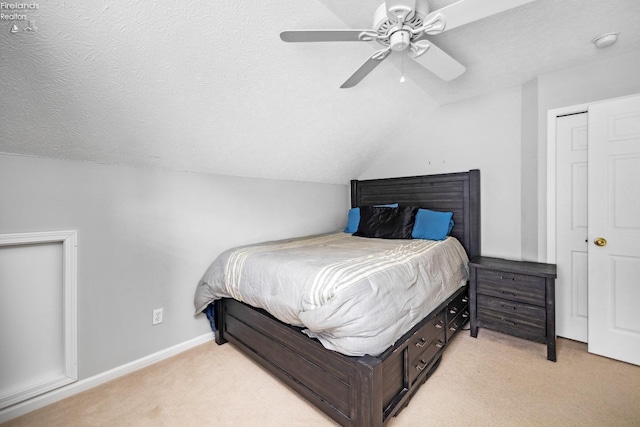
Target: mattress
[(355, 295)]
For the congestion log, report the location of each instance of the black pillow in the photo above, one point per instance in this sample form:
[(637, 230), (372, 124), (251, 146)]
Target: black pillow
[(386, 223)]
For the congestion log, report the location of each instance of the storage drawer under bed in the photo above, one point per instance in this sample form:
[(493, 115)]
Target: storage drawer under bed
[(424, 359), (425, 336), (457, 314)]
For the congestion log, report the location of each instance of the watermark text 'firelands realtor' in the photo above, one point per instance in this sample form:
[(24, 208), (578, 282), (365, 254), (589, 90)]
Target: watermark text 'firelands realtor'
[(15, 11)]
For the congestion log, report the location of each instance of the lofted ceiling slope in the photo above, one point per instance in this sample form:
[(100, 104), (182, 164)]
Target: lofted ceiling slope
[(209, 87)]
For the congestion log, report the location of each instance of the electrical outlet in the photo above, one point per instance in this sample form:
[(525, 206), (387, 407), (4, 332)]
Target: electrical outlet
[(157, 316)]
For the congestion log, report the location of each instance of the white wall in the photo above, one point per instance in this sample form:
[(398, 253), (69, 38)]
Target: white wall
[(480, 133), (146, 236), (529, 171)]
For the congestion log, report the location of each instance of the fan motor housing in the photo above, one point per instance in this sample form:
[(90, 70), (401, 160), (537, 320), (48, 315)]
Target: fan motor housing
[(392, 36)]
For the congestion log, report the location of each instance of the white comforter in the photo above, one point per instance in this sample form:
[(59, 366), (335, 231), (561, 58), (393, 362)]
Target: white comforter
[(355, 295)]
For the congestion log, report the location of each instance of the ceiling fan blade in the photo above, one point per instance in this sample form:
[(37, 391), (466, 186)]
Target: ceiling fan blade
[(296, 36), (368, 66), (436, 60), (466, 11)]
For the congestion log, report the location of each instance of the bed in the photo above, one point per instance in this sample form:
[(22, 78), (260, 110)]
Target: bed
[(365, 390)]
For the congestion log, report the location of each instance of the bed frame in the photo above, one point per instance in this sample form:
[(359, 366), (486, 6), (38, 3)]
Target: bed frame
[(366, 390)]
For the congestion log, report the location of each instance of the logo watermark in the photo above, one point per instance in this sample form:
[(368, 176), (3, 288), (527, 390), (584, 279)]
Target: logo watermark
[(17, 14)]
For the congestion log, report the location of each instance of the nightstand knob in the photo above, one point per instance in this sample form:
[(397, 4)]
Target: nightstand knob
[(508, 321), (508, 293)]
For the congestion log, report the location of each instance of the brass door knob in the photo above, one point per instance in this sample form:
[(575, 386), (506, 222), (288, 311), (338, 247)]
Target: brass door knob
[(600, 241)]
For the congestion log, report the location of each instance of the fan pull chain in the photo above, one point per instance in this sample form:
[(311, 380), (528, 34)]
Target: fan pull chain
[(402, 80)]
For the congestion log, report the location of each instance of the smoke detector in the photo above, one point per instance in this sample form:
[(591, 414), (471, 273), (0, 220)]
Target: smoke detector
[(605, 40)]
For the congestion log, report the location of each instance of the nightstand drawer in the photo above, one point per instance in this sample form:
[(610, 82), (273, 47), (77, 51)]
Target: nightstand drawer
[(511, 313), (515, 287)]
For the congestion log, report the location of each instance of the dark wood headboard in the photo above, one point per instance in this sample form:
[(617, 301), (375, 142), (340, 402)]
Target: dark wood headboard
[(452, 192)]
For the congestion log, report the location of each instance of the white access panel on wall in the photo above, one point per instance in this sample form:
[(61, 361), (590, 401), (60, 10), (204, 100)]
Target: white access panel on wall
[(37, 314)]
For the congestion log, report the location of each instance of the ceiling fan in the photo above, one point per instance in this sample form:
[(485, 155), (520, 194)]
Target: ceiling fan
[(401, 25)]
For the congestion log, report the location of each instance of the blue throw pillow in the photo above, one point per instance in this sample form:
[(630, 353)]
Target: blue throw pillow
[(353, 217), (432, 225)]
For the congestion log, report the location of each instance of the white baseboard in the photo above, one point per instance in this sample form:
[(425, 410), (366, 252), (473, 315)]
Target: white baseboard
[(79, 386)]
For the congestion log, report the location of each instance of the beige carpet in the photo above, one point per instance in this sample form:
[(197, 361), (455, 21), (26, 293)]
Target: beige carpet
[(494, 380)]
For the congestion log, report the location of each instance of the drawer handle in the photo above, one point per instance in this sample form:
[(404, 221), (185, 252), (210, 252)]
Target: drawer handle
[(454, 327), (439, 344), (439, 325), (421, 343), (420, 366), (508, 306), (465, 314), (454, 310), (465, 299), (508, 278), (508, 293), (509, 322)]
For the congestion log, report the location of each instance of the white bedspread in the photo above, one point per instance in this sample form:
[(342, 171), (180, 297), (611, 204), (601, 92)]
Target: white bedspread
[(355, 295)]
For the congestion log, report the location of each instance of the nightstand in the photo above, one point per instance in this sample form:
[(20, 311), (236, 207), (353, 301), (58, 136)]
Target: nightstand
[(514, 297)]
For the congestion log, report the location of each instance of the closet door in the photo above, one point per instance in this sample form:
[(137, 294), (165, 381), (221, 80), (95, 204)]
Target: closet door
[(614, 229), (571, 226)]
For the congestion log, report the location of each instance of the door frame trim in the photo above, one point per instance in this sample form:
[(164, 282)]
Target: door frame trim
[(552, 115)]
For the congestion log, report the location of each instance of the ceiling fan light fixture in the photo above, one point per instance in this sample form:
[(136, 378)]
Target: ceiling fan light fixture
[(605, 40), (400, 40)]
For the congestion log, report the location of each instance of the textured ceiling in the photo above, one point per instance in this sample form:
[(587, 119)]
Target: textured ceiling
[(208, 86)]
